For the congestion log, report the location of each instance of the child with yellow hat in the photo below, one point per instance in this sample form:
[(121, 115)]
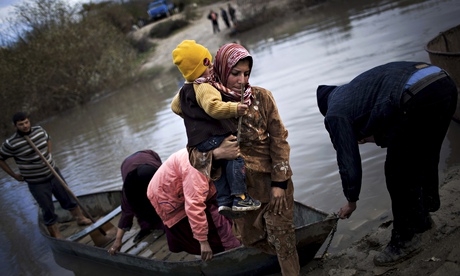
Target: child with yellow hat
[(208, 121)]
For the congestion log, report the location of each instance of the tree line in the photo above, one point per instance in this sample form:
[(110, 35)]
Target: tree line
[(56, 56)]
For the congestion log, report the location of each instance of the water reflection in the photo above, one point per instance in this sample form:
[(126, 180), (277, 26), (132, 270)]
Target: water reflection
[(105, 132), (329, 44)]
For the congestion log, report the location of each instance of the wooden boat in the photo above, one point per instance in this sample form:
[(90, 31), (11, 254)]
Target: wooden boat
[(444, 51), (151, 255)]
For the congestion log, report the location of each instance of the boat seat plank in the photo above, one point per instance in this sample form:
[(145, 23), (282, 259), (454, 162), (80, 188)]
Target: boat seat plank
[(190, 257), (158, 249), (87, 240), (157, 246), (132, 248), (147, 253), (69, 228), (116, 219), (163, 253), (96, 225), (127, 241), (182, 256), (152, 249)]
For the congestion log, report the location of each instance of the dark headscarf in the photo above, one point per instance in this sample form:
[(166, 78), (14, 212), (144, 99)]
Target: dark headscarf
[(147, 157), (136, 171), (322, 95)]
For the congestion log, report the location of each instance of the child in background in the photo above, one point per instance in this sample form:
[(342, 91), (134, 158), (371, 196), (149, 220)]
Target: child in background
[(208, 121)]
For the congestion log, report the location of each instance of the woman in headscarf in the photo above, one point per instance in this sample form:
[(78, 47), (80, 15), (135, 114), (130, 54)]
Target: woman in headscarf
[(136, 172), (264, 147)]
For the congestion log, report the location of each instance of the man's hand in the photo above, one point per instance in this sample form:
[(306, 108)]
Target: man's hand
[(228, 150), (278, 200), (347, 210), (206, 252), (5, 167), (18, 177), (365, 140)]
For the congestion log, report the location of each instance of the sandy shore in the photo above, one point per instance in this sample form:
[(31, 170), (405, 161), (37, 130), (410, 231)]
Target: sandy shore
[(441, 250), (199, 30), (440, 253)]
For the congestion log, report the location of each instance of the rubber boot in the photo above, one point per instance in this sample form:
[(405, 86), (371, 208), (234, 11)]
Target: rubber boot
[(79, 217), (54, 231)]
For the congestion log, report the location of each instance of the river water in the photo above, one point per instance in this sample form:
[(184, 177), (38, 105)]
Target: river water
[(329, 44)]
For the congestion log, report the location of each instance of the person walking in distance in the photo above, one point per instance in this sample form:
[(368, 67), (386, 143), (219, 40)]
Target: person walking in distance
[(232, 13), (215, 24), (224, 15)]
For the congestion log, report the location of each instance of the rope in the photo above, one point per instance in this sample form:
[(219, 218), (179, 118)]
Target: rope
[(334, 229)]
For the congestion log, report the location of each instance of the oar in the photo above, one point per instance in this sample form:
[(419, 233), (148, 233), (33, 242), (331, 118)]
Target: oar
[(241, 117), (61, 180)]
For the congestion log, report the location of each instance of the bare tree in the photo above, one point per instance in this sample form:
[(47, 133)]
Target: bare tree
[(60, 59)]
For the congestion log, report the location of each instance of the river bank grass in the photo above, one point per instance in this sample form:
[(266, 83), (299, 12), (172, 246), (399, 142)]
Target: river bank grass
[(71, 55)]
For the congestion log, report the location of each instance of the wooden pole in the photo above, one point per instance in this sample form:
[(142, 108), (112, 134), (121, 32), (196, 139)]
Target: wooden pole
[(60, 180), (241, 117)]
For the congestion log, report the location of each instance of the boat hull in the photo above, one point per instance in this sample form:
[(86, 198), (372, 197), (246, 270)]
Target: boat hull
[(444, 51), (312, 229)]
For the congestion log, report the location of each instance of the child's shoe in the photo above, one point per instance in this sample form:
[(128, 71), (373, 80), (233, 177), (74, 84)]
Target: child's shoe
[(246, 204), (229, 213), (223, 209)]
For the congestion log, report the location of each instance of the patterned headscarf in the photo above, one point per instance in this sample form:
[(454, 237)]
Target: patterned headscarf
[(226, 58)]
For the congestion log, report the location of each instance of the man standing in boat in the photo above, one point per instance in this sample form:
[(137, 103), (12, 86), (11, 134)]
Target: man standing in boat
[(405, 107), (42, 183)]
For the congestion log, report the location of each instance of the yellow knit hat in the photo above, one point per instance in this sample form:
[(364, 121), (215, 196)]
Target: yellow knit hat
[(189, 57)]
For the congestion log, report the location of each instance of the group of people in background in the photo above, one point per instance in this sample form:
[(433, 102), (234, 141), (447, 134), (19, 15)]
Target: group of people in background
[(234, 175), (229, 18)]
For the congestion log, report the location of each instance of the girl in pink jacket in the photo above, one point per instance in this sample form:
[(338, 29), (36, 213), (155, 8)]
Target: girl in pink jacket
[(186, 202)]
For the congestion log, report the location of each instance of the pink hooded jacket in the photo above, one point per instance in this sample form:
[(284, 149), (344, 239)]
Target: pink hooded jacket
[(178, 190)]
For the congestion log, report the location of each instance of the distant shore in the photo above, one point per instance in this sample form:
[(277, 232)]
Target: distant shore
[(199, 30)]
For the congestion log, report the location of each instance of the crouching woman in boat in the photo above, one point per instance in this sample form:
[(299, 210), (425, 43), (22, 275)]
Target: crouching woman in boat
[(136, 171), (186, 202)]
